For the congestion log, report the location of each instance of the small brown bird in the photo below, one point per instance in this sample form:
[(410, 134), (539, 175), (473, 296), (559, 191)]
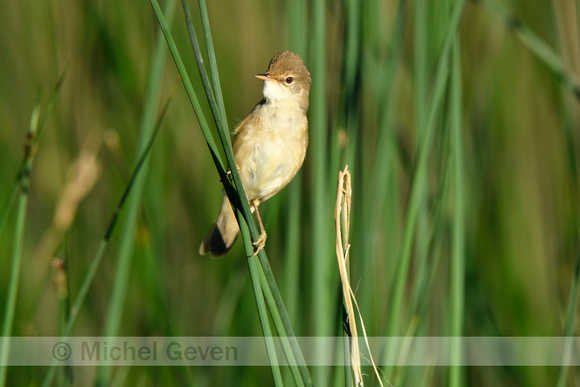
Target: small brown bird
[(269, 147)]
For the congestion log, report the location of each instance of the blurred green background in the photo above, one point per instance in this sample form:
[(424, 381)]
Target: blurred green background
[(373, 65)]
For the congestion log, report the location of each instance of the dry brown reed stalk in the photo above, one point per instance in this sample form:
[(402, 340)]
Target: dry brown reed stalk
[(82, 176), (342, 226)]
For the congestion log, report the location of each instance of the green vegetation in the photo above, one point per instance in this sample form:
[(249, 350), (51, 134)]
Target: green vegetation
[(458, 121)]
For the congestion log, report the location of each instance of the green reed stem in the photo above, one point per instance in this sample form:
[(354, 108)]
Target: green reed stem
[(457, 282), (237, 197), (295, 11), (253, 265), (23, 182), (215, 78), (7, 206), (215, 101), (16, 264), (569, 326), (323, 300)]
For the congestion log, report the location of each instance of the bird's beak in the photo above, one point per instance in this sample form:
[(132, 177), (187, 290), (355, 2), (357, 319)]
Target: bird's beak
[(264, 77)]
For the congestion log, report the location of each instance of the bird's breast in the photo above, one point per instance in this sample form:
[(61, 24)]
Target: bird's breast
[(270, 149)]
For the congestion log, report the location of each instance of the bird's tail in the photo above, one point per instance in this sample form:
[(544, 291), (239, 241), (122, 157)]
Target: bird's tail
[(223, 233)]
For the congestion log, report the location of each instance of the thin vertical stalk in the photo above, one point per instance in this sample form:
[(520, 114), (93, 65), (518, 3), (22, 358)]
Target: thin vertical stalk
[(253, 265), (295, 11), (79, 301), (350, 97), (212, 61), (14, 277), (457, 282), (282, 321), (16, 263), (61, 269), (296, 38), (569, 326), (220, 119), (8, 203), (420, 65), (31, 144), (292, 249), (420, 93), (321, 215), (294, 357), (349, 112)]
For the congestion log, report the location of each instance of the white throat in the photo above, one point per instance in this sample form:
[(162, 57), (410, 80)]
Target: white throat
[(274, 91)]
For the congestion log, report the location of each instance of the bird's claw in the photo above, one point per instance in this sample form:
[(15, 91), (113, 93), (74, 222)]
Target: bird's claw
[(229, 173), (260, 243)]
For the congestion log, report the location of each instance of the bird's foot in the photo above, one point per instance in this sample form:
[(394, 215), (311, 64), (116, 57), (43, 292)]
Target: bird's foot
[(259, 244), (229, 173)]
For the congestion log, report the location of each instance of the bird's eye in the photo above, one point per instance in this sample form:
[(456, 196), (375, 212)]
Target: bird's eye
[(289, 80)]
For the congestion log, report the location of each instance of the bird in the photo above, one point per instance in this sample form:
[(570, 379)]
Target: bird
[(269, 147)]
